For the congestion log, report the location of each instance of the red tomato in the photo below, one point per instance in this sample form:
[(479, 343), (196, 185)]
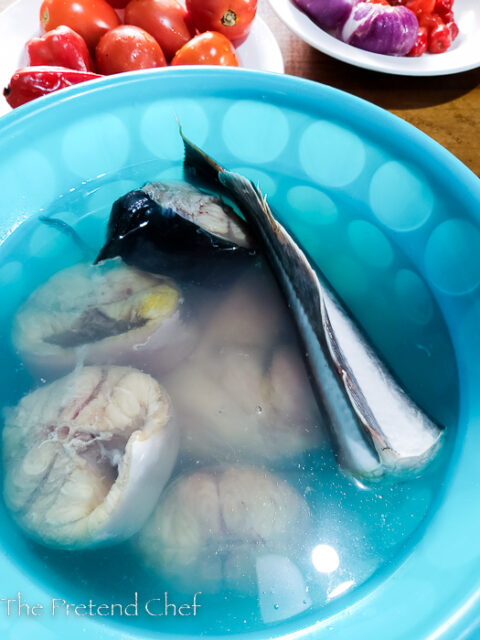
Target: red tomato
[(163, 19), (230, 17), (118, 4), (90, 18), (127, 48), (207, 48)]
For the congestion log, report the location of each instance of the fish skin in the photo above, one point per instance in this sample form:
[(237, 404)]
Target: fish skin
[(158, 227), (356, 389)]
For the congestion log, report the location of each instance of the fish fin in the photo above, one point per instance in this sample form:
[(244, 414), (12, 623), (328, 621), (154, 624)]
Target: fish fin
[(393, 419), (68, 230), (198, 166)]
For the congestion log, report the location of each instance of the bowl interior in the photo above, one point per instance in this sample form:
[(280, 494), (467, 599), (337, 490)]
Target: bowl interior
[(461, 56), (394, 229)]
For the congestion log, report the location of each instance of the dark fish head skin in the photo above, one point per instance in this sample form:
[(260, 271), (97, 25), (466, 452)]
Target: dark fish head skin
[(159, 240), (130, 216)]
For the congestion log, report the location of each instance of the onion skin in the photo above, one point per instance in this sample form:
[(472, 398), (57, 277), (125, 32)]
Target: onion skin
[(381, 29), (329, 15), (373, 27)]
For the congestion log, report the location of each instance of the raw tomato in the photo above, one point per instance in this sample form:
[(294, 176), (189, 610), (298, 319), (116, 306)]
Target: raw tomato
[(233, 18), (207, 48), (128, 48), (90, 18), (165, 20), (118, 4)]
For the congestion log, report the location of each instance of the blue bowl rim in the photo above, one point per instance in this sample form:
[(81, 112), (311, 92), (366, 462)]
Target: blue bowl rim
[(464, 613)]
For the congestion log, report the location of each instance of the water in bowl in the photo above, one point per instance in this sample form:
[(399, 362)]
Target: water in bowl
[(353, 532)]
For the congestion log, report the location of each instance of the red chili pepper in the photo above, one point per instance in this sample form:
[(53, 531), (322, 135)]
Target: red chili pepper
[(32, 82), (61, 47), (448, 17), (421, 43), (421, 6), (430, 21), (453, 28), (443, 6), (439, 39)]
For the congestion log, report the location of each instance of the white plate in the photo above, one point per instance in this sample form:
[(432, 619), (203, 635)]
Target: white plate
[(464, 54), (20, 22)]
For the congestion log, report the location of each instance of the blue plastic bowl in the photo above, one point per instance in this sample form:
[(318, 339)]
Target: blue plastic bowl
[(322, 156)]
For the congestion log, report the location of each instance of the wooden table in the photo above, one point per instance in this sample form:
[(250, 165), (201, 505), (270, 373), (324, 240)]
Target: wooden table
[(446, 108)]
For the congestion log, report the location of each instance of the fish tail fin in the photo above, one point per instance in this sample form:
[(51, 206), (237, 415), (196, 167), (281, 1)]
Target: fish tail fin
[(198, 166), (201, 168), (68, 230)]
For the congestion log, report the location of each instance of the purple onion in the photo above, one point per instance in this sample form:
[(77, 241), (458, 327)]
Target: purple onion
[(381, 29), (329, 15), (373, 27)]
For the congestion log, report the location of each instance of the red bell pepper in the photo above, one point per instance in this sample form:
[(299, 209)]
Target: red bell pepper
[(32, 82), (453, 27), (61, 47)]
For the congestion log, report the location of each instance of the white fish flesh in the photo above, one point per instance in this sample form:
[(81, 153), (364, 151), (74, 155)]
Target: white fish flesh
[(86, 457), (245, 403), (251, 313), (376, 426), (244, 393), (103, 314), (211, 526)]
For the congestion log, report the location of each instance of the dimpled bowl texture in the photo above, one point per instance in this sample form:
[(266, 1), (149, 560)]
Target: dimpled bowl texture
[(309, 147)]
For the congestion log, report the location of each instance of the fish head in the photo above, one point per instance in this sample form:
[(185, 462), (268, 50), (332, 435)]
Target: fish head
[(129, 219)]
